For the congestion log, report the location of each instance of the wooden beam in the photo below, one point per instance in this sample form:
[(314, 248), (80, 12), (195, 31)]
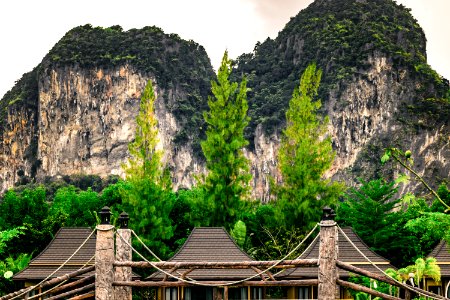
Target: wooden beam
[(328, 253), (359, 271), (51, 282), (170, 272), (364, 289), (73, 292), (216, 265), (183, 276), (302, 282), (64, 287), (84, 296)]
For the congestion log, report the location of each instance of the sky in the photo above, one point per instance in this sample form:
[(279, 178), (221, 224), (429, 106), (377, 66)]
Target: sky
[(30, 28)]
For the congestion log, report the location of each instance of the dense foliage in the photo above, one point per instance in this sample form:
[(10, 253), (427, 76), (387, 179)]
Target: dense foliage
[(396, 228), (227, 181), (339, 35), (305, 155)]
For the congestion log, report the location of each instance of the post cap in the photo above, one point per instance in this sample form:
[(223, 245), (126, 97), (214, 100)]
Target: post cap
[(328, 214), (123, 220), (105, 215)]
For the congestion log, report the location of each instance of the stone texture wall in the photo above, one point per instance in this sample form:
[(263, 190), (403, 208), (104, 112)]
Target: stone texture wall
[(86, 118)]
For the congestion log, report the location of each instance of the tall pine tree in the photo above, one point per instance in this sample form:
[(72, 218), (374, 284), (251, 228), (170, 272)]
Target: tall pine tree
[(145, 161), (149, 198), (228, 170), (305, 154)]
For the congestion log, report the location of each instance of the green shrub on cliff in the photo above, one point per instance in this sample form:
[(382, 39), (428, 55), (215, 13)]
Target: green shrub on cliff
[(341, 36)]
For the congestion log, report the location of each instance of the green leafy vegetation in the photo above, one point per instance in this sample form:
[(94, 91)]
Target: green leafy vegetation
[(305, 155), (176, 64), (227, 181), (340, 36)]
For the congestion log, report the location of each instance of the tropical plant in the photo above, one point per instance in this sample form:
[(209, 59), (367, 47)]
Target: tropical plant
[(238, 233), (426, 268), (404, 158)]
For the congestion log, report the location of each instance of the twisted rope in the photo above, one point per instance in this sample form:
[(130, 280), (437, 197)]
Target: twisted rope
[(379, 269), (54, 272), (194, 282)]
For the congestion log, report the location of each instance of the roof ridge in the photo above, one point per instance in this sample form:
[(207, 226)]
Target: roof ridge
[(439, 247), (184, 244), (368, 248)]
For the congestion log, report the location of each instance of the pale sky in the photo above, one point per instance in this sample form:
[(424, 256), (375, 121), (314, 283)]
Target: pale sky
[(29, 28)]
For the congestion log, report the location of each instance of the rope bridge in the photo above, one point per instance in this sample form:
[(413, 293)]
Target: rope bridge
[(113, 276)]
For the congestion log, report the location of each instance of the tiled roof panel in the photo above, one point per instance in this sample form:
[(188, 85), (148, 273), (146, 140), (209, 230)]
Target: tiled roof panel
[(210, 244), (65, 243), (442, 254)]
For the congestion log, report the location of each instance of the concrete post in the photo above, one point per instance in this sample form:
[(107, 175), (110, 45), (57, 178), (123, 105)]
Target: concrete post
[(123, 253), (104, 258), (328, 254)]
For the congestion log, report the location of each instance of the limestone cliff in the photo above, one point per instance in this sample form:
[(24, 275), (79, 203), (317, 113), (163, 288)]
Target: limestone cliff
[(377, 87), (75, 113)]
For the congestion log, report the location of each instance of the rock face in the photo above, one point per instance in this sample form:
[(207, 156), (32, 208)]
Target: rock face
[(87, 118), (377, 90)]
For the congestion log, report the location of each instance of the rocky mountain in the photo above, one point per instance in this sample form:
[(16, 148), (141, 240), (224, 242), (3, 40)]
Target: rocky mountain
[(377, 87), (74, 113)]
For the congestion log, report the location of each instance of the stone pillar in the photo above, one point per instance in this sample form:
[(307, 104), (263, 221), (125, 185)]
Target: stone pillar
[(328, 254), (123, 253), (104, 258)]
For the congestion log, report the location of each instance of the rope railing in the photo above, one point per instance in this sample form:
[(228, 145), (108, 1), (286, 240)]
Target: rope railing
[(51, 282), (23, 292), (273, 264), (52, 290), (400, 284)]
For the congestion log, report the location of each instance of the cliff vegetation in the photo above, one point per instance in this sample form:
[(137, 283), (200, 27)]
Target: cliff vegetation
[(339, 36)]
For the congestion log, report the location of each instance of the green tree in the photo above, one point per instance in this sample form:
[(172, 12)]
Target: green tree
[(148, 198), (150, 206), (427, 267), (367, 210), (228, 170), (305, 155), (239, 233), (145, 161)]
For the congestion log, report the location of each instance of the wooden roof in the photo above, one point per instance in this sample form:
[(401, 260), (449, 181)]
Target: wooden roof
[(65, 243), (347, 253), (209, 244), (442, 254)]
